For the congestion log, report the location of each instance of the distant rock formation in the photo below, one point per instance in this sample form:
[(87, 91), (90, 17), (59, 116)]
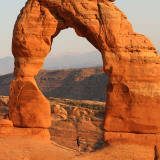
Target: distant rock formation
[(80, 84), (130, 60), (5, 81), (4, 101)]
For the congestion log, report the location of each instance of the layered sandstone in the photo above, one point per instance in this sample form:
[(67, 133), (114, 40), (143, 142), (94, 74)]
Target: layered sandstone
[(28, 107), (6, 123), (130, 60)]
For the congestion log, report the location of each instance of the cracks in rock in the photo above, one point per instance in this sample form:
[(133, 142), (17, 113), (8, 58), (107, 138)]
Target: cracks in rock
[(155, 153), (18, 104), (20, 91), (100, 19), (53, 10), (138, 133), (103, 28), (62, 1)]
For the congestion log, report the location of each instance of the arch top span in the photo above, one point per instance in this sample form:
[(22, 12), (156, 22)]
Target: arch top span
[(130, 60), (100, 22)]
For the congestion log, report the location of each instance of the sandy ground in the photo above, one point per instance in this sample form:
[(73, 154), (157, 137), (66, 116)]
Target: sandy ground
[(27, 149), (30, 149), (63, 146)]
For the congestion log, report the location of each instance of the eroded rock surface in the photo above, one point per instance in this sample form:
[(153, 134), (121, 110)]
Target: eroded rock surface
[(28, 106), (6, 123), (3, 101), (130, 60)]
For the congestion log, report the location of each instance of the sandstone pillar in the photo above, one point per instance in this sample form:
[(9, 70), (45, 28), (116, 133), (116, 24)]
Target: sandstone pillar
[(31, 43)]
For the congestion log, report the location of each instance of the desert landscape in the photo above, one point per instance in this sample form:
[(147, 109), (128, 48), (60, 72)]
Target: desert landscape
[(80, 84), (71, 118), (115, 117)]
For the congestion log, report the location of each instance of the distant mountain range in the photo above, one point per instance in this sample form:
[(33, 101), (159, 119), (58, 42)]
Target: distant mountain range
[(6, 65), (85, 60), (82, 84)]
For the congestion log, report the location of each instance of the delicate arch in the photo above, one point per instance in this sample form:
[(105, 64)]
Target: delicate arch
[(129, 59)]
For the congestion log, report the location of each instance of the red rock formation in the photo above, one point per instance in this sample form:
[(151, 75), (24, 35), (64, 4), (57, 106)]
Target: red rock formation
[(28, 106), (24, 133), (130, 60), (6, 123)]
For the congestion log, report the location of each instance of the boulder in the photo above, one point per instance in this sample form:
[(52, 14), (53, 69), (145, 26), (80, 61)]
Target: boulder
[(59, 112), (27, 106), (4, 100), (6, 123)]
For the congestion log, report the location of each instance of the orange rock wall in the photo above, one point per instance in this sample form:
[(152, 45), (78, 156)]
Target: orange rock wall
[(129, 59)]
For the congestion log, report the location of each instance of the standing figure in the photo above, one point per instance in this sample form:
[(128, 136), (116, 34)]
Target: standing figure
[(78, 143)]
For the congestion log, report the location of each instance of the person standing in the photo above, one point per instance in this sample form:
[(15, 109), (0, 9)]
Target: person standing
[(78, 143)]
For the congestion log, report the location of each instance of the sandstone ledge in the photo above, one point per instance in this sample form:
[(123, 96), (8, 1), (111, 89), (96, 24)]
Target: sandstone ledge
[(31, 149), (6, 123), (131, 138), (31, 133)]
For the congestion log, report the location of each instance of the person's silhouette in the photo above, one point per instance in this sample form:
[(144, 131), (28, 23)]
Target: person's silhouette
[(78, 143)]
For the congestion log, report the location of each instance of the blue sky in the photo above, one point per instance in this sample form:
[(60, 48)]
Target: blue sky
[(143, 14)]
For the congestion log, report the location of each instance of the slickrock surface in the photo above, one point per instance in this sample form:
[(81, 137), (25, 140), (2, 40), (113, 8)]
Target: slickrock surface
[(30, 133), (29, 149), (130, 60), (68, 121), (120, 152)]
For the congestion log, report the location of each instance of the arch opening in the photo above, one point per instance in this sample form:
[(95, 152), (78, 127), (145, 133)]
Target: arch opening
[(67, 43), (76, 91), (86, 83)]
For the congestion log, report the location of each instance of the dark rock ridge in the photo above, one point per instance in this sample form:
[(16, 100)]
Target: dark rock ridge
[(5, 81), (82, 84)]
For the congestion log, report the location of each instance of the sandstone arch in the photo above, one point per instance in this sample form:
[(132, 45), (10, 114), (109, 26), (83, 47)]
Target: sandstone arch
[(129, 59)]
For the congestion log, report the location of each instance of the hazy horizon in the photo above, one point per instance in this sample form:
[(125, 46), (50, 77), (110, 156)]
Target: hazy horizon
[(144, 21)]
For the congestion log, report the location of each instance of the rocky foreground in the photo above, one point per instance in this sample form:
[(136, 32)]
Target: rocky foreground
[(72, 118), (69, 119), (38, 150), (30, 149)]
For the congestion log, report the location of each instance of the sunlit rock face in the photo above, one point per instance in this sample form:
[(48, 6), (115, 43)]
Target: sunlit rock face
[(129, 59)]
